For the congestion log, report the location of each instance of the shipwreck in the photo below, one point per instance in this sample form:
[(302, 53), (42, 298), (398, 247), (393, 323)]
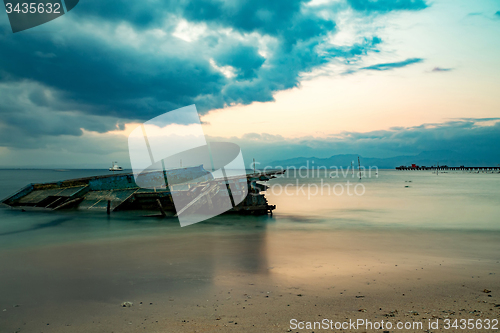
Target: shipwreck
[(193, 188)]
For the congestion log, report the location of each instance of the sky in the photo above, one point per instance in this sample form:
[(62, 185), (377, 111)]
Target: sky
[(283, 79)]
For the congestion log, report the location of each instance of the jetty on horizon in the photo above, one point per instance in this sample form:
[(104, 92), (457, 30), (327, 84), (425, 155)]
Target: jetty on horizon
[(447, 168)]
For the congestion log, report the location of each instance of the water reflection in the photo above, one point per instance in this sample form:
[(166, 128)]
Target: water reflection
[(103, 259), (54, 223)]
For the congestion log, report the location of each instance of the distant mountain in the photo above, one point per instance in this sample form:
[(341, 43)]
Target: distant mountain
[(426, 158)]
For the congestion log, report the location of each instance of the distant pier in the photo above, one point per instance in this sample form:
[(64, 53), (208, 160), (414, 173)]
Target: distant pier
[(447, 168)]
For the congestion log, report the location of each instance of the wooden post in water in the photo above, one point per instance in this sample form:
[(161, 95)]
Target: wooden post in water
[(161, 207), (359, 168), (108, 208)]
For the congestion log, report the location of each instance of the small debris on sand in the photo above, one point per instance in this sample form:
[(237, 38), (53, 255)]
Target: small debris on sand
[(127, 304), (391, 314)]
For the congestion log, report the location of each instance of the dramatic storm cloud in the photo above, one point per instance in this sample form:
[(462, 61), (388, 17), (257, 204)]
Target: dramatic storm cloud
[(109, 62)]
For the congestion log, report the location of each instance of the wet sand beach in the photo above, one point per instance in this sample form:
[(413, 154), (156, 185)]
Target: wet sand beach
[(251, 281)]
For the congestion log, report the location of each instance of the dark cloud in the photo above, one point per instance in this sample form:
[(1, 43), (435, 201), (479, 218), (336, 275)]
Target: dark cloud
[(244, 59), (80, 152), (109, 76), (123, 61), (29, 113), (108, 80), (144, 14), (393, 65), (440, 69), (476, 140), (466, 141), (275, 18), (384, 6)]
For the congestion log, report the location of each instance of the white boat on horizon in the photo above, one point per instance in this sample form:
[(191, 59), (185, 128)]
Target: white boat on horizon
[(115, 167)]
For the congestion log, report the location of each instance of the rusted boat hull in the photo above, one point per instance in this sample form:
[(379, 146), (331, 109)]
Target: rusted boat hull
[(120, 192)]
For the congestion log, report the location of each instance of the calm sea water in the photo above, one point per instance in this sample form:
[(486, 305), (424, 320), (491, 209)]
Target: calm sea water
[(312, 200), (77, 267)]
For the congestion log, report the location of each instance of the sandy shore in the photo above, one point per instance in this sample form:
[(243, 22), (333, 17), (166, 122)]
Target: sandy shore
[(253, 281)]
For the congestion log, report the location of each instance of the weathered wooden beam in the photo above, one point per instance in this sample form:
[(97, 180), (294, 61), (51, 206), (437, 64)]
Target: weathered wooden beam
[(68, 203), (161, 208)]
